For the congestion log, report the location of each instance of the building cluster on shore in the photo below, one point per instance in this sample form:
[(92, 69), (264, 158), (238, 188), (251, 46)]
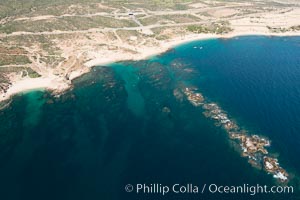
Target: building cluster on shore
[(252, 146)]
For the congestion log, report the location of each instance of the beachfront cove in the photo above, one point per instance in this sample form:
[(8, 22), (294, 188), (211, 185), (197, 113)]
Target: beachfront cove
[(180, 117)]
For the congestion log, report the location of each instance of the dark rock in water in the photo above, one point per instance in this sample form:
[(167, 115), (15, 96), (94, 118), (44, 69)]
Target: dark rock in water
[(178, 94), (50, 101), (166, 110), (89, 143), (182, 70)]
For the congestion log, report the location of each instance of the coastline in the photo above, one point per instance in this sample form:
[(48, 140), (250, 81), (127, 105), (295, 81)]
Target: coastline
[(168, 44), (49, 83), (58, 84)]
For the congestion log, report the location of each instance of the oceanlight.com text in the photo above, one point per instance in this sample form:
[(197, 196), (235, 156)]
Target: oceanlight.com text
[(161, 189)]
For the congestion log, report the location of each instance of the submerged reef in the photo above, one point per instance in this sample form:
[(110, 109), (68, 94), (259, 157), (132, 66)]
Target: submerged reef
[(195, 98), (252, 146)]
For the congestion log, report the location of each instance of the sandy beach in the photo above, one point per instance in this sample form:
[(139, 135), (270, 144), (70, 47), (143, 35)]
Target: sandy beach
[(164, 46), (50, 83), (79, 50), (59, 84)]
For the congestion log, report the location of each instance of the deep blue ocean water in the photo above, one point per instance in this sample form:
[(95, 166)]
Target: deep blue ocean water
[(112, 129)]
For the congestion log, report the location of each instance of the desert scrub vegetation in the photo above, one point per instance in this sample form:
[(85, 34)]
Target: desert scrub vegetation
[(282, 30), (40, 42), (126, 34), (26, 71), (11, 50), (218, 28), (31, 8), (185, 18), (65, 24), (47, 7), (6, 59), (163, 33), (149, 4)]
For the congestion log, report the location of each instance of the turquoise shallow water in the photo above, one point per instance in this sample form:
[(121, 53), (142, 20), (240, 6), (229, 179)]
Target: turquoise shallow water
[(122, 124)]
